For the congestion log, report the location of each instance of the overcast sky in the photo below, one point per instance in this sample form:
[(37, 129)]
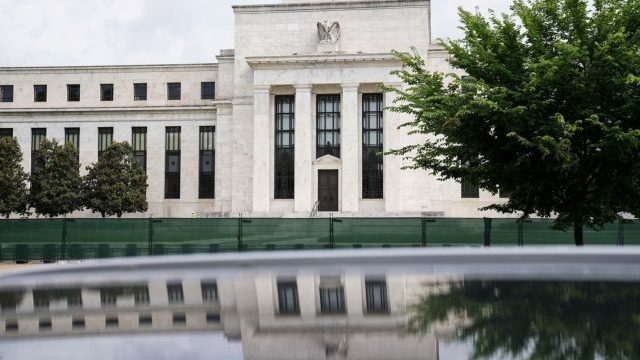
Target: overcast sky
[(107, 32)]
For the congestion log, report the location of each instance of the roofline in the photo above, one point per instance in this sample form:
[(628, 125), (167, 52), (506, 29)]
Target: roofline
[(328, 6), (66, 68)]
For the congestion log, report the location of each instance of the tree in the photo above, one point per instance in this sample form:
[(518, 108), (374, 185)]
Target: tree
[(536, 320), (13, 179), (116, 184), (549, 112), (56, 185)]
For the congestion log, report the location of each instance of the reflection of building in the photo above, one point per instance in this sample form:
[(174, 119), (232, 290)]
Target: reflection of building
[(303, 316), (290, 121)]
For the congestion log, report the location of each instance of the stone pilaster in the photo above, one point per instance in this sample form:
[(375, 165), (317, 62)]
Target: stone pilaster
[(392, 164), (350, 148), (304, 150), (261, 149)]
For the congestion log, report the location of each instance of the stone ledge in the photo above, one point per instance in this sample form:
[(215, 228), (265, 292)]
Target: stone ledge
[(329, 6), (287, 61)]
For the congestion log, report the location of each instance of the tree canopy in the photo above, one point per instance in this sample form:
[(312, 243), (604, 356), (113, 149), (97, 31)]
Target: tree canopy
[(56, 185), (116, 184), (13, 178), (536, 320), (548, 112)]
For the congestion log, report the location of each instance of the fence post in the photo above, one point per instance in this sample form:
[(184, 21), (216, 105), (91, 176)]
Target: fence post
[(520, 233), (150, 250), (240, 233), (63, 248), (620, 234), (424, 232), (487, 231)]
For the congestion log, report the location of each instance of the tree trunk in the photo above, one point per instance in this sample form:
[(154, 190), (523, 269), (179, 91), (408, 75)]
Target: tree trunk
[(578, 233)]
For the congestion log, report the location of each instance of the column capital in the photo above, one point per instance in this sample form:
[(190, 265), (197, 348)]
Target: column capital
[(303, 87), (350, 87), (261, 88)]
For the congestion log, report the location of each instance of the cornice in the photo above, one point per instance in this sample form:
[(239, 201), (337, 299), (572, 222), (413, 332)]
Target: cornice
[(329, 6), (266, 62), (107, 68), (102, 111)]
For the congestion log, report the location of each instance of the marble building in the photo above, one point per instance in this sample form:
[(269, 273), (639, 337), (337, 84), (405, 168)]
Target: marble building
[(290, 123)]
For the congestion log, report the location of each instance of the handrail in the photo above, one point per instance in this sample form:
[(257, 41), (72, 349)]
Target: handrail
[(314, 210)]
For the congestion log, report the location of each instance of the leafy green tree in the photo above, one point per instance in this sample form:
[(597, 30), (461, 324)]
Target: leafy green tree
[(13, 179), (536, 320), (548, 114), (116, 184), (56, 185)]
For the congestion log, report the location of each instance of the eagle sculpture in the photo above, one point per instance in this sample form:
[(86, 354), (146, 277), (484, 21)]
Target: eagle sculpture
[(329, 33)]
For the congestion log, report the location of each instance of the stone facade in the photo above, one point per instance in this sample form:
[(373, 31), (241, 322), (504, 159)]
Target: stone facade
[(277, 52)]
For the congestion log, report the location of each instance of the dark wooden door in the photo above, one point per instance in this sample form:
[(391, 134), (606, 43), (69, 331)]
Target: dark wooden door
[(327, 190)]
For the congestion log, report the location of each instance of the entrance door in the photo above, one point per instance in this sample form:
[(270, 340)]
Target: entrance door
[(327, 190)]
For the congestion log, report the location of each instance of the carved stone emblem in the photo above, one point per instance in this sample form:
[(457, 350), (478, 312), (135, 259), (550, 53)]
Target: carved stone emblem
[(328, 33)]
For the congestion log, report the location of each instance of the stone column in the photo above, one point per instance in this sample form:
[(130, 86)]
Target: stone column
[(224, 155), (350, 148), (261, 149), (303, 150), (392, 164)]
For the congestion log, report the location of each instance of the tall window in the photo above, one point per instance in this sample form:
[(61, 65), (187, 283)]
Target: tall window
[(285, 147), (6, 132), (175, 294), (332, 297), (140, 92), (208, 91), (105, 138), (288, 303), (106, 92), (73, 92), (174, 91), (72, 136), (469, 190), (207, 163), (6, 93), (139, 144), (328, 125), (39, 93), (376, 292), (372, 161), (172, 163), (209, 292), (37, 136)]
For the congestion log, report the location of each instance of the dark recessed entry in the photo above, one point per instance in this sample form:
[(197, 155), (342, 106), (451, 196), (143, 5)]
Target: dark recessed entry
[(327, 190)]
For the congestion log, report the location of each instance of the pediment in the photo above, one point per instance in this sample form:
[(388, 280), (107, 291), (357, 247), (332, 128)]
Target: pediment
[(327, 160)]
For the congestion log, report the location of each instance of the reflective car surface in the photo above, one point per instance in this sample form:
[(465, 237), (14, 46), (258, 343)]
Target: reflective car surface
[(544, 303)]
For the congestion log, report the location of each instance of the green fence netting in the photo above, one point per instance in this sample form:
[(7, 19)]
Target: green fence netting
[(54, 239)]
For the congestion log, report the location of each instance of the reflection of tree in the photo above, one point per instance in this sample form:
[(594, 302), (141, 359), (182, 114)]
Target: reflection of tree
[(539, 320)]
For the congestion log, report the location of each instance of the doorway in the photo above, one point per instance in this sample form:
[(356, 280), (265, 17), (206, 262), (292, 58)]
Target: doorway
[(327, 190)]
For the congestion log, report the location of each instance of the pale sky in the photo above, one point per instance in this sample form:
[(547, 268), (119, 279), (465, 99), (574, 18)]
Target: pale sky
[(108, 32)]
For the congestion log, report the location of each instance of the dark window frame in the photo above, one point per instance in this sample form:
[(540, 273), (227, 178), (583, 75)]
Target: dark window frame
[(39, 93), (174, 91), (284, 152), (372, 160), (208, 90), (140, 92), (139, 144), (6, 132), (376, 304), (206, 179), (72, 136), (288, 298), (71, 95), (37, 136), (106, 92), (209, 292), (105, 139), (178, 291), (329, 291), (323, 130), (6, 93), (172, 150), (468, 190)]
